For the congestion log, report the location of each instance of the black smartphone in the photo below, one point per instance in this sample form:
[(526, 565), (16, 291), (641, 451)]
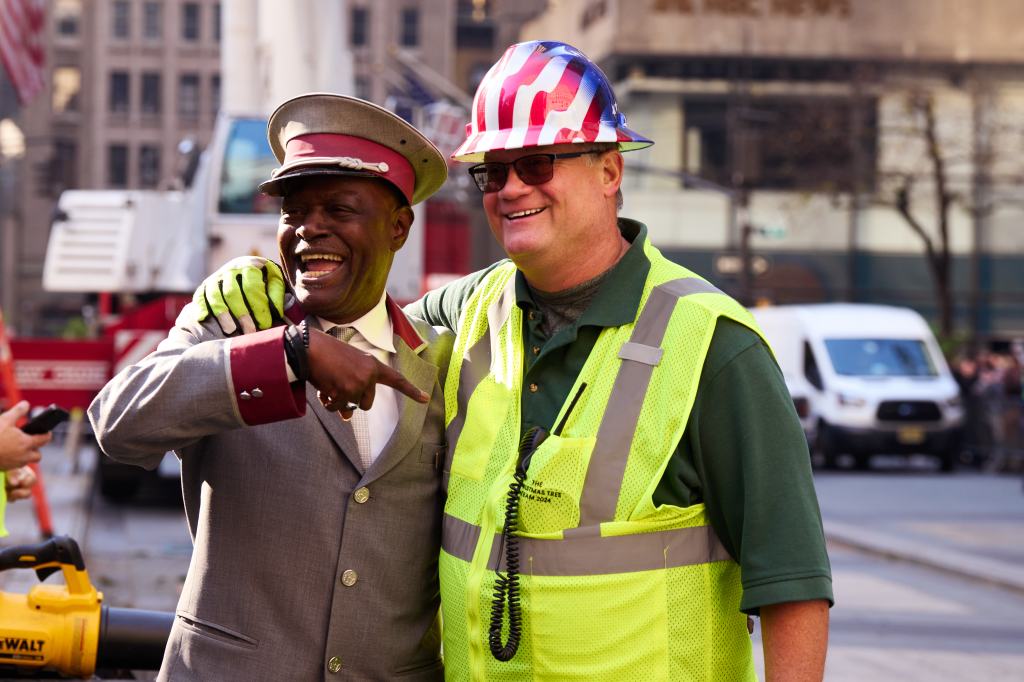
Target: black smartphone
[(45, 421)]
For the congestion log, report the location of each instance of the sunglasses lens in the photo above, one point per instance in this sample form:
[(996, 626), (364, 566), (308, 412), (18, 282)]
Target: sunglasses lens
[(535, 170), (532, 170), (489, 177)]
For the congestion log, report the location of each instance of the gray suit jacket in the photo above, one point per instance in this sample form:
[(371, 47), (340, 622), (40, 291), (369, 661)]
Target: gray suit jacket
[(304, 566)]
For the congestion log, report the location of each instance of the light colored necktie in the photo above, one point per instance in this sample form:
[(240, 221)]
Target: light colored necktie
[(360, 422)]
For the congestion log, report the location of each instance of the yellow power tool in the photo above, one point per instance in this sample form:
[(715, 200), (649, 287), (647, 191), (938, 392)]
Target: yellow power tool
[(66, 630)]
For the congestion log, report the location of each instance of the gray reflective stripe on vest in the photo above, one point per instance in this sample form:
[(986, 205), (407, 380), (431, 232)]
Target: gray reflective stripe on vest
[(592, 554), (615, 435), (475, 367)]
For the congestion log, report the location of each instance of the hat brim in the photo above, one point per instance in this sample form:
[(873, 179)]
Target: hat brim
[(275, 186)]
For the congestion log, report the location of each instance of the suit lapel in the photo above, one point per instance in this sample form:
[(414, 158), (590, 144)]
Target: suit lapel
[(339, 431), (411, 414)]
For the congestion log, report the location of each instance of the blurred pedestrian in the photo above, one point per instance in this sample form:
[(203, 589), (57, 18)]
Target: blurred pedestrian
[(999, 389), (973, 438), (1014, 448), (17, 450)]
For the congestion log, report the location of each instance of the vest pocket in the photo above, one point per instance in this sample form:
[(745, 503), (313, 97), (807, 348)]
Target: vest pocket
[(550, 500), (619, 632)]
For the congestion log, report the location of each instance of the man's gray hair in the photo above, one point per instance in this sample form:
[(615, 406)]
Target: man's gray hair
[(603, 147)]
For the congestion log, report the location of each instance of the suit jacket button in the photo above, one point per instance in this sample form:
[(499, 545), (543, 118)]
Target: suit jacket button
[(257, 393), (334, 665), (349, 578), (361, 495), (244, 395)]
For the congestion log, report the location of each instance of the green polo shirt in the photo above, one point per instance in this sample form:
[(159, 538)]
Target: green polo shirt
[(743, 453)]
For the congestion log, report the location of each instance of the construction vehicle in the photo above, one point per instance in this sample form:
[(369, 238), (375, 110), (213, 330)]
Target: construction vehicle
[(66, 630), (155, 247)]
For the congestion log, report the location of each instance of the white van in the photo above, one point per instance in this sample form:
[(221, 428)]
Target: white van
[(874, 376)]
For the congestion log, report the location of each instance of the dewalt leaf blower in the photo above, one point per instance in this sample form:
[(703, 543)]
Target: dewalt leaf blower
[(66, 629)]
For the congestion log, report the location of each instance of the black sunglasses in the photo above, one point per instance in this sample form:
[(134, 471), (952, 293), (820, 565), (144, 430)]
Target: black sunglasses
[(535, 169)]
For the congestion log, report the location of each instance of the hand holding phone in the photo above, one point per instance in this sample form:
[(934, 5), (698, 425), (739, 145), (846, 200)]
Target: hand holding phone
[(45, 421), (18, 448)]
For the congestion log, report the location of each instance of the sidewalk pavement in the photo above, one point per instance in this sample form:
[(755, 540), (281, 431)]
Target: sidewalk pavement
[(968, 524)]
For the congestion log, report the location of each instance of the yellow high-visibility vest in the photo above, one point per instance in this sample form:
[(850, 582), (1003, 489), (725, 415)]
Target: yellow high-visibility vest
[(613, 587)]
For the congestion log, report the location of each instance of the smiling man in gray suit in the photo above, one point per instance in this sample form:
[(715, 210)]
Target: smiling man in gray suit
[(316, 525)]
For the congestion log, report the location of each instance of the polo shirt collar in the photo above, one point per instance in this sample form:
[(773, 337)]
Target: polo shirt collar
[(615, 302)]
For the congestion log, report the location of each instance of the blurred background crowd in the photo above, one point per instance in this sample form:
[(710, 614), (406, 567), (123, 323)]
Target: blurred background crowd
[(991, 390)]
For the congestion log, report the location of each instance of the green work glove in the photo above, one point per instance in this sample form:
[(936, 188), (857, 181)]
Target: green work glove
[(242, 290)]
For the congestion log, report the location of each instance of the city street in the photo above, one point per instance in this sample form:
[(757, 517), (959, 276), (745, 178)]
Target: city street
[(898, 617)]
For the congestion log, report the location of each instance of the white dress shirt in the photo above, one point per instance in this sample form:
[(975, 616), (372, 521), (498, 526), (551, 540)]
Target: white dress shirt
[(374, 335)]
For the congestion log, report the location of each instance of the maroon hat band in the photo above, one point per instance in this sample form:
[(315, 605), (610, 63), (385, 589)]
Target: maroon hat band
[(348, 152)]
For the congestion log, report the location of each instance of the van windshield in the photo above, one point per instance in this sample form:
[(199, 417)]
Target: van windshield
[(880, 357), (248, 161)]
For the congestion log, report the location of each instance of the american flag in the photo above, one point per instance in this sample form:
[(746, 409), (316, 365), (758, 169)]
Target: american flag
[(21, 45)]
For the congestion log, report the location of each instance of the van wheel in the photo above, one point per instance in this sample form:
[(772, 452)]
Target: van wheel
[(862, 461), (826, 446)]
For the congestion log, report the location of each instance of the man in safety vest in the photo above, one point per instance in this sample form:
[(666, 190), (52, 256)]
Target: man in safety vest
[(626, 476)]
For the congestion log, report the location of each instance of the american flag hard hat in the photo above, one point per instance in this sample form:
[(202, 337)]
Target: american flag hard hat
[(542, 93)]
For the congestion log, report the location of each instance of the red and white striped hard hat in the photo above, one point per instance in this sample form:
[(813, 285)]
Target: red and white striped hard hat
[(542, 93)]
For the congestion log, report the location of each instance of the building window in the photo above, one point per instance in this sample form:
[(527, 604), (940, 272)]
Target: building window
[(215, 23), (119, 93), (360, 26), (188, 96), (65, 155), (152, 20), (122, 19), (362, 84), (117, 165), (190, 22), (410, 29), (474, 10), (796, 144), (151, 91), (67, 15), (67, 84), (215, 94), (149, 166)]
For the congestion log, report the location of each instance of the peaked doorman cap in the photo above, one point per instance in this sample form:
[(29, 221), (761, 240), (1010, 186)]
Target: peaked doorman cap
[(327, 134)]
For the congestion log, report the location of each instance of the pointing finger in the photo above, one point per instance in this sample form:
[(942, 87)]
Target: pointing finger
[(392, 378)]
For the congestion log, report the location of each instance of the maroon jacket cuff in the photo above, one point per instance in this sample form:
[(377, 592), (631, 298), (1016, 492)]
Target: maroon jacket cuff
[(260, 381)]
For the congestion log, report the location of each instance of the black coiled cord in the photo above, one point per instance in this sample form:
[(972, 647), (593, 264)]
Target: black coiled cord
[(506, 585)]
